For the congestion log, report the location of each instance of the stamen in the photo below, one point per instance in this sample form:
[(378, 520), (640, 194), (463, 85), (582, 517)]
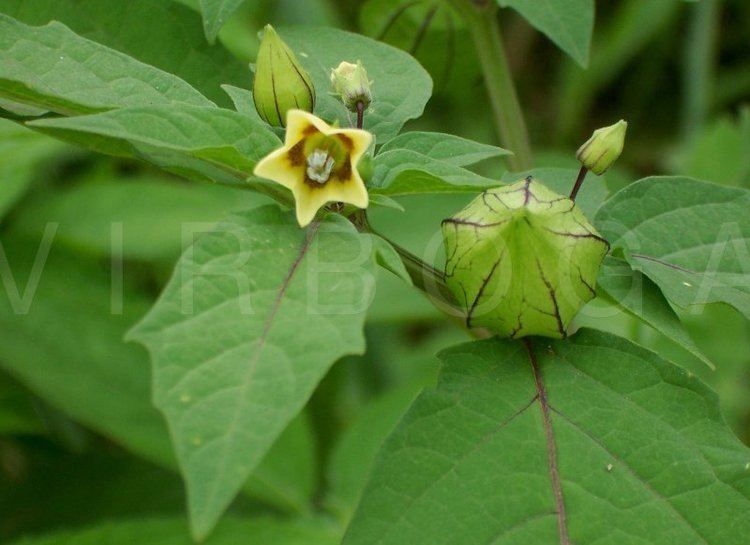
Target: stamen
[(319, 166)]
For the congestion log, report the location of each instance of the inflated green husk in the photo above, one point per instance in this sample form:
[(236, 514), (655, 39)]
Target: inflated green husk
[(281, 84), (522, 260)]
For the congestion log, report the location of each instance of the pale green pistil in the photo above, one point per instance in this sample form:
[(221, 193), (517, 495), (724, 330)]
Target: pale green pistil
[(319, 166)]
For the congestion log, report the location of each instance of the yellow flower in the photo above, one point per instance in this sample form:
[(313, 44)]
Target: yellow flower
[(318, 163)]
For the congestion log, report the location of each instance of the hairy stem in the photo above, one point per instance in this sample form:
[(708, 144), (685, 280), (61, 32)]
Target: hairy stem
[(481, 18)]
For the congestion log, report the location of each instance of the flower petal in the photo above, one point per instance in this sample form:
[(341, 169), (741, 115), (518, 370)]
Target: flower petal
[(360, 140), (308, 201), (277, 167), (297, 124), (351, 191)]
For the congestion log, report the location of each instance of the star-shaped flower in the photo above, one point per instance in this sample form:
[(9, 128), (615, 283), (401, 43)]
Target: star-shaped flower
[(318, 163)]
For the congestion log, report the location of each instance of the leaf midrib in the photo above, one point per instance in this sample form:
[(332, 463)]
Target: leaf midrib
[(312, 230)]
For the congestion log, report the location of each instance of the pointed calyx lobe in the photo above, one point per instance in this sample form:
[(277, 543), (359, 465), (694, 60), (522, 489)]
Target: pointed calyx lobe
[(522, 260)]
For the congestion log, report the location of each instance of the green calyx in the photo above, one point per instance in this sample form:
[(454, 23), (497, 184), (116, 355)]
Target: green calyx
[(522, 260), (281, 84), (603, 148), (351, 83)]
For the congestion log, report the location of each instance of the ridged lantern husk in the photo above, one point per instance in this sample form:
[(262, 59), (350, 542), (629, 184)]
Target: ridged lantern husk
[(280, 84), (522, 260)]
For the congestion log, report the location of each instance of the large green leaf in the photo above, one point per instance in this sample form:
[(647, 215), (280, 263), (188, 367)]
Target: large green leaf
[(64, 342), (242, 99), (215, 14), (591, 440), (690, 237), (172, 531), (400, 89), (144, 217), (53, 68), (638, 295), (451, 149), (208, 143), (568, 23), (165, 35), (109, 484), (256, 313), (22, 152), (355, 452), (67, 347), (17, 412), (405, 172)]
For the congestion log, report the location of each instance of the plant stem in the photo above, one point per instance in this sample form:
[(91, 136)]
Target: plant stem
[(579, 182), (700, 54), (360, 115), (481, 18), (424, 276)]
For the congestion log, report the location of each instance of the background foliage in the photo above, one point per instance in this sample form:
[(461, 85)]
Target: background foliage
[(84, 455)]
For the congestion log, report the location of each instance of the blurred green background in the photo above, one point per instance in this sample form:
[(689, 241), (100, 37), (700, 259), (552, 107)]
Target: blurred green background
[(678, 72)]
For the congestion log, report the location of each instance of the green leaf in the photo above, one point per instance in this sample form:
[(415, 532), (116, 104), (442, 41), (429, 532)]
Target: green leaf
[(400, 89), (638, 295), (17, 411), (53, 68), (143, 218), (354, 454), (86, 370), (22, 152), (242, 100), (256, 313), (405, 172), (287, 475), (65, 344), (587, 440), (445, 147), (561, 180), (208, 143), (165, 35), (568, 23), (172, 531), (377, 199), (215, 14), (689, 237), (387, 257)]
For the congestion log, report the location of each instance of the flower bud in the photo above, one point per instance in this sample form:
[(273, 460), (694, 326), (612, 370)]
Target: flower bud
[(281, 84), (351, 83), (603, 148), (522, 260)]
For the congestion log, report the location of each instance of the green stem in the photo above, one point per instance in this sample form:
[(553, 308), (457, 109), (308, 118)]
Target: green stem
[(424, 276), (700, 56), (481, 17)]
